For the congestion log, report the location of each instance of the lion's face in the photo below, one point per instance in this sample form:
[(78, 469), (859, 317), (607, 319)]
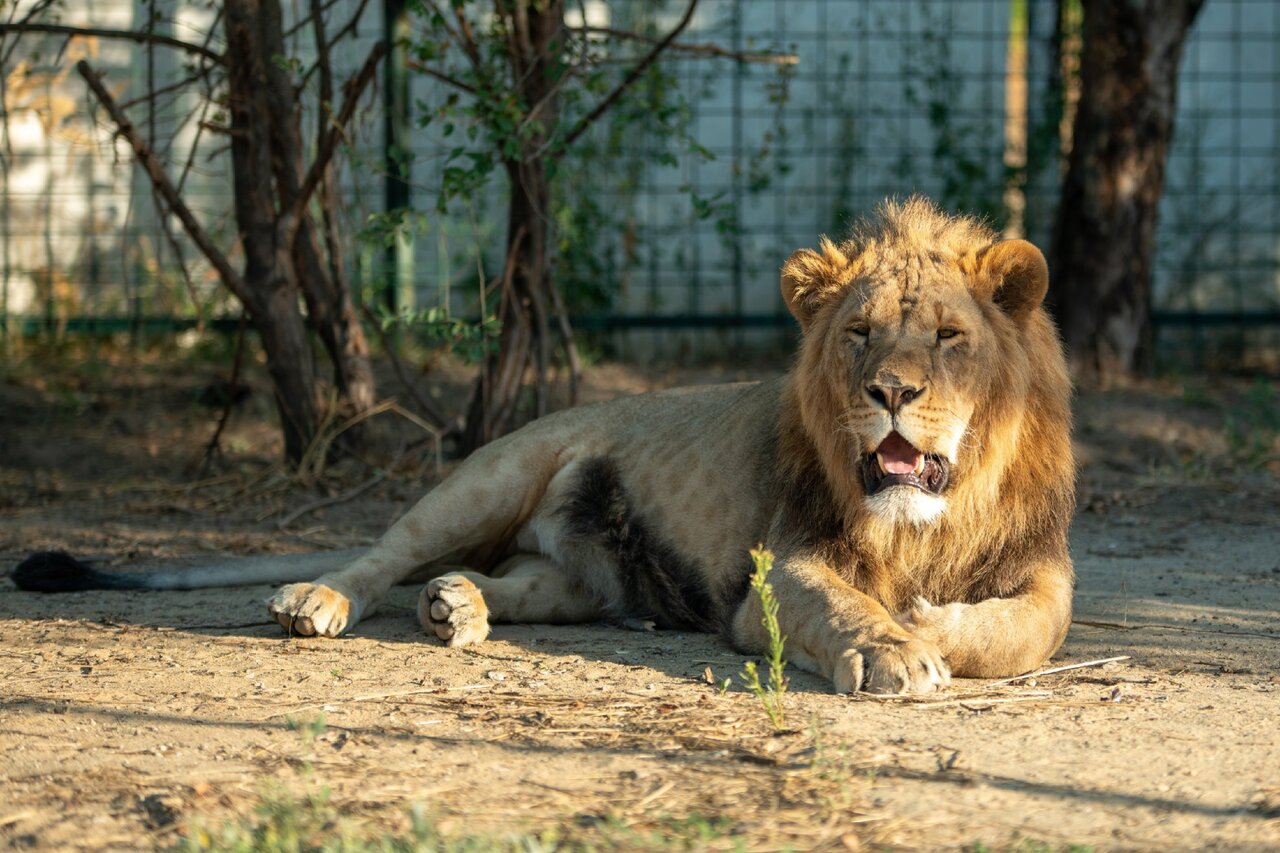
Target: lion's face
[(903, 343), (910, 347)]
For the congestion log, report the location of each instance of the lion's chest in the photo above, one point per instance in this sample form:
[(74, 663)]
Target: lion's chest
[(898, 576)]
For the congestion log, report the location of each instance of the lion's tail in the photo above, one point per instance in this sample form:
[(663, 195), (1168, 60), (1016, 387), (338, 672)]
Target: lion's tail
[(57, 571)]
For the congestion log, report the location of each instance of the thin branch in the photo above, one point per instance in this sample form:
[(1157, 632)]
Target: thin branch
[(462, 36), (204, 112), (195, 143), (176, 248), (428, 408), (349, 494), (454, 36), (298, 25), (532, 113), (147, 160), (570, 345), (326, 192), (350, 25), (468, 38), (31, 14), (700, 49), (341, 33), (351, 93), (201, 74), (212, 449), (506, 384), (165, 224), (128, 35), (164, 90), (1056, 669), (441, 76), (322, 62), (221, 149), (632, 76)]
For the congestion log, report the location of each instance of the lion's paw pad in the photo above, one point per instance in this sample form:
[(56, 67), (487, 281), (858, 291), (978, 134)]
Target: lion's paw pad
[(453, 608), (312, 609)]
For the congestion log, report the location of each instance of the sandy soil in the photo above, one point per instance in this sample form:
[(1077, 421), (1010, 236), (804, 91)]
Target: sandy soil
[(127, 718)]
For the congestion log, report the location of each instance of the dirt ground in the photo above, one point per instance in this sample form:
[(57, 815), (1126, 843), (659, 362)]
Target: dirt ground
[(129, 719)]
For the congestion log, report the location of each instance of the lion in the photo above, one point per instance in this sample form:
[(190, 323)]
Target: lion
[(912, 474)]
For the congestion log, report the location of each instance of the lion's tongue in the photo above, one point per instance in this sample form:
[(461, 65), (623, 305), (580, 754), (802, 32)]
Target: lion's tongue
[(897, 456)]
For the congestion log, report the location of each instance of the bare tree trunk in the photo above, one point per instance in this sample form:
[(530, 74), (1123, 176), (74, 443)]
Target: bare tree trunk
[(1104, 237), (281, 266), (528, 306), (271, 292), (283, 336), (329, 307)]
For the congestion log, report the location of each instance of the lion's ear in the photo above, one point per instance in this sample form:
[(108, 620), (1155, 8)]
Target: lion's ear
[(1014, 274), (809, 277)]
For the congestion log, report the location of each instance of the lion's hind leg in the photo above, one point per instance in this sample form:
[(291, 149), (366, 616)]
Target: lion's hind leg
[(459, 607), (471, 513)]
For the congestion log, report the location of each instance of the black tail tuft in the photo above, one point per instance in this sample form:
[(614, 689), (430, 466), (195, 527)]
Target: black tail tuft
[(58, 571)]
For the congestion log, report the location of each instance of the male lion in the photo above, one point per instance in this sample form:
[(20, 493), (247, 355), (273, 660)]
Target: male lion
[(912, 474)]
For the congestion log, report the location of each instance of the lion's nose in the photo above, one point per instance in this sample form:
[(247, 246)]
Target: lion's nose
[(893, 397)]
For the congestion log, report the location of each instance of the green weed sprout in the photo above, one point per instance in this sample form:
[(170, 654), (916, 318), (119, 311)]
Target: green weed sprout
[(770, 696)]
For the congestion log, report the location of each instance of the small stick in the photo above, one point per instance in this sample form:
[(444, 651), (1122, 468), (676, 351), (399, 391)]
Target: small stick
[(653, 795), (552, 788), (168, 488), (1057, 669), (16, 817), (430, 409), (220, 626), (994, 700), (372, 697), (915, 698), (212, 449), (353, 492), (437, 435)]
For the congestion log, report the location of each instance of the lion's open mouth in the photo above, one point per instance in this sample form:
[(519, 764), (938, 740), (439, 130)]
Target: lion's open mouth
[(896, 462)]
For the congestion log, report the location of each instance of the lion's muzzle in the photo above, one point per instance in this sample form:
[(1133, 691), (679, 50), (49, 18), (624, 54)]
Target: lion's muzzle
[(896, 462)]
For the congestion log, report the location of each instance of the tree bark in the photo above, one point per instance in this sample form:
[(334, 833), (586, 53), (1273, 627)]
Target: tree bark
[(535, 32), (1103, 245), (271, 292), (329, 307), (282, 266)]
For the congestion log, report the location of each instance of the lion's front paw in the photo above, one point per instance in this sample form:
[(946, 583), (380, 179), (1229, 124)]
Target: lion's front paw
[(453, 608), (312, 609), (896, 666)]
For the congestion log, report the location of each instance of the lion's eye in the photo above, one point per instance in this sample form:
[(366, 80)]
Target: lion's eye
[(947, 333), (859, 330)]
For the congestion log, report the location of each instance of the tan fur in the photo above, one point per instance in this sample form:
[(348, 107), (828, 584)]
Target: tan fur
[(647, 506)]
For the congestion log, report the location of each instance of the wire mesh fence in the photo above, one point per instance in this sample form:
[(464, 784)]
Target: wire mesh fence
[(952, 98)]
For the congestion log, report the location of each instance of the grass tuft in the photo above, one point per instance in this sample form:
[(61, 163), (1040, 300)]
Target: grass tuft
[(282, 823)]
